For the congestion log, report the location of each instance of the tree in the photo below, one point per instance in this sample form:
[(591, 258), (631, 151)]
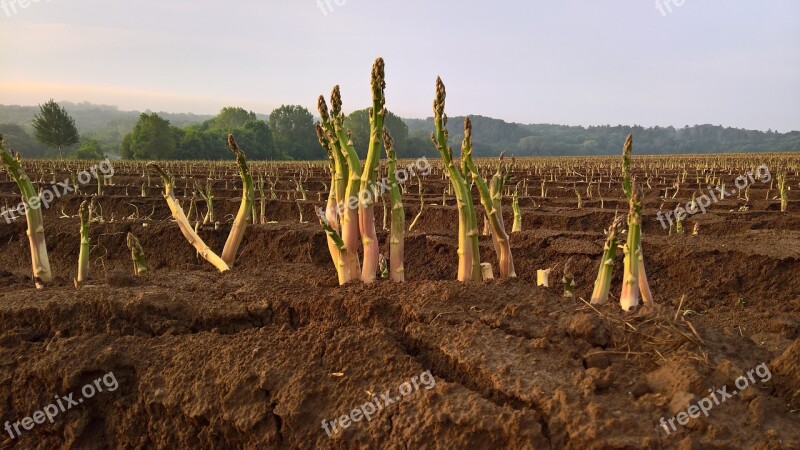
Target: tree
[(256, 140), (55, 127), (201, 145), (358, 124), (531, 145), (89, 149), (208, 140), (125, 147), (230, 118), (293, 130), (151, 138)]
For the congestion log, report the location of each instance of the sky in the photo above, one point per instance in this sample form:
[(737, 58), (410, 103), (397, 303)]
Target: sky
[(577, 62)]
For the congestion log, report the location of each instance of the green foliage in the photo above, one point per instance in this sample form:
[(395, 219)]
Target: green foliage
[(201, 145), (293, 129), (553, 140), (154, 138), (151, 138), (15, 137), (207, 140), (256, 137), (230, 119), (54, 127), (358, 124), (109, 126), (89, 149)]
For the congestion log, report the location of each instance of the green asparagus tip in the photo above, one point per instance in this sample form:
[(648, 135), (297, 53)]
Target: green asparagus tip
[(240, 156), (378, 78), (441, 95), (628, 148), (323, 140), (336, 101), (165, 176), (133, 242), (636, 198), (233, 145), (388, 142), (83, 211), (322, 106)]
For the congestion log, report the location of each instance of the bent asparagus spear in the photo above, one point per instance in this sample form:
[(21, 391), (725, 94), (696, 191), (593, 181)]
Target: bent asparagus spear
[(248, 193), (33, 214), (183, 223)]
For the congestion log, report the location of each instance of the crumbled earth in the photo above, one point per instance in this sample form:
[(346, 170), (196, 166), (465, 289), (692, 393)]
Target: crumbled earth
[(260, 356)]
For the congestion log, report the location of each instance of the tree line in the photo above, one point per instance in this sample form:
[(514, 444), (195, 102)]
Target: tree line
[(287, 133), (491, 136)]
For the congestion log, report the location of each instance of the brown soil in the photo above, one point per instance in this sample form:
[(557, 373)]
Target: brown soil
[(259, 356)]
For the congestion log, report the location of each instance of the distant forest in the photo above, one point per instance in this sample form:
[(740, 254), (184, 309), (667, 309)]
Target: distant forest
[(288, 134)]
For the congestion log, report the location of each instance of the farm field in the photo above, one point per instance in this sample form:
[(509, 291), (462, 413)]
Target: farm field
[(262, 355)]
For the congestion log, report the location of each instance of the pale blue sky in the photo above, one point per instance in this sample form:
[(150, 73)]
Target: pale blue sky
[(729, 62)]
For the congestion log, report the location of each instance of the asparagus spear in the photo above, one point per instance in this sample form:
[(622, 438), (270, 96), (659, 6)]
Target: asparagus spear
[(469, 267), (627, 149), (366, 210), (397, 233), (183, 223), (83, 256), (240, 222), (603, 283), (503, 246), (350, 229), (630, 281), (781, 177), (516, 227), (33, 215), (137, 255), (328, 218)]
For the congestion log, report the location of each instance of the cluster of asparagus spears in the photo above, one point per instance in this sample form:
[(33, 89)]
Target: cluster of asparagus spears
[(354, 190), (634, 281), (350, 210), (469, 262)]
